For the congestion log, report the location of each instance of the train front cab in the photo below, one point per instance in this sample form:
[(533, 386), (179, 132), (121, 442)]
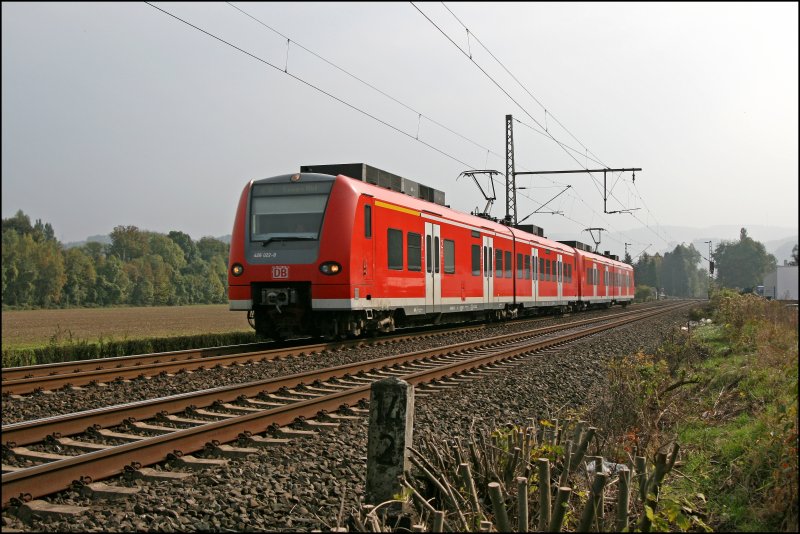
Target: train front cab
[(280, 250)]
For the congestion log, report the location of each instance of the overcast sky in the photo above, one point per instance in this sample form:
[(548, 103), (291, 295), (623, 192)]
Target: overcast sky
[(119, 114)]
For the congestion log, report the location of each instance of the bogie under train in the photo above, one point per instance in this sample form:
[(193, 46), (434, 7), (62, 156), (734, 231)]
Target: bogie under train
[(329, 255)]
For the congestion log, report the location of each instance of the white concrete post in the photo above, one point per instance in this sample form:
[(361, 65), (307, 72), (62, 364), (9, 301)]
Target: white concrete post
[(391, 428)]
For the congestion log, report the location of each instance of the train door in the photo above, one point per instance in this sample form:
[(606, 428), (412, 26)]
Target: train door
[(535, 274), (488, 274), (560, 277), (607, 281), (433, 271), (368, 251), (614, 282)]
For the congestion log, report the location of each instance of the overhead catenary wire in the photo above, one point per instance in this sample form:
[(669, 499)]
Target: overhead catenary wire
[(594, 179), (285, 71), (309, 84), (387, 95), (499, 86), (546, 111), (532, 96), (342, 101), (360, 80)]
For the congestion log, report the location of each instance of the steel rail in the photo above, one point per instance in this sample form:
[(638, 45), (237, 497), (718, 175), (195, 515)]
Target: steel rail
[(26, 432), (55, 476), (66, 368), (22, 380), (19, 381), (18, 375)]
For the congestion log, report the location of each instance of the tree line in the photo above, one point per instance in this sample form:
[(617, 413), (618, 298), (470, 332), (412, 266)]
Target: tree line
[(138, 268), (142, 268), (738, 265), (676, 273)]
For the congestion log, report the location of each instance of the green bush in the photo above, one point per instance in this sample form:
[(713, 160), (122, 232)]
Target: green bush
[(643, 293)]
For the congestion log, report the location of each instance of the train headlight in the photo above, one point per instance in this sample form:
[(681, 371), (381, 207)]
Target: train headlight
[(330, 268), (237, 269)]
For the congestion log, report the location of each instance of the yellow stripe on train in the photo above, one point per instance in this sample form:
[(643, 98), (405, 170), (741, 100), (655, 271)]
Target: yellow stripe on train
[(396, 208)]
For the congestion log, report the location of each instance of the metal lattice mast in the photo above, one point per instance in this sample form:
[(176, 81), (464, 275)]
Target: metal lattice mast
[(511, 179)]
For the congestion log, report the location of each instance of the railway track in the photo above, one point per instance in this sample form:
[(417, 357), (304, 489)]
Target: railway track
[(240, 413), (28, 379)]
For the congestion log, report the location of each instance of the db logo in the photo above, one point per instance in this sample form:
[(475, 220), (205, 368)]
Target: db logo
[(280, 271)]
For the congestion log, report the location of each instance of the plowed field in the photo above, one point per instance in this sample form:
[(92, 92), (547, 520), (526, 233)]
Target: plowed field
[(32, 328)]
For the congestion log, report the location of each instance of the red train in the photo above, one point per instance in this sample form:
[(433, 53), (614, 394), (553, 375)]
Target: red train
[(330, 255)]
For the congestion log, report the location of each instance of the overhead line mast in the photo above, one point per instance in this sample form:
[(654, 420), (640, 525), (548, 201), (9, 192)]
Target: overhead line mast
[(511, 178), (511, 181)]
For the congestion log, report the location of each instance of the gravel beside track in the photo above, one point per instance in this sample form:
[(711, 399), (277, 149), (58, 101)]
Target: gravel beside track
[(300, 486), (66, 400)]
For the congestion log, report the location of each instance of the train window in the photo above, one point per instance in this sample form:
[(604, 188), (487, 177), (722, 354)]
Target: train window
[(519, 266), (540, 273), (486, 269), (394, 240), (589, 276), (288, 212), (509, 273), (428, 253), (367, 221), (489, 270), (547, 270), (475, 233), (498, 263), (560, 278), (449, 256), (414, 252), (436, 254), (527, 267), (476, 260)]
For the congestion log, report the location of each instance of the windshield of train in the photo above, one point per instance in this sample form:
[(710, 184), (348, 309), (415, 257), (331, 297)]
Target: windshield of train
[(288, 211)]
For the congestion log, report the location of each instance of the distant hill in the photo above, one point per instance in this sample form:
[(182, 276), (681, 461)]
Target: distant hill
[(782, 249), (105, 239)]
